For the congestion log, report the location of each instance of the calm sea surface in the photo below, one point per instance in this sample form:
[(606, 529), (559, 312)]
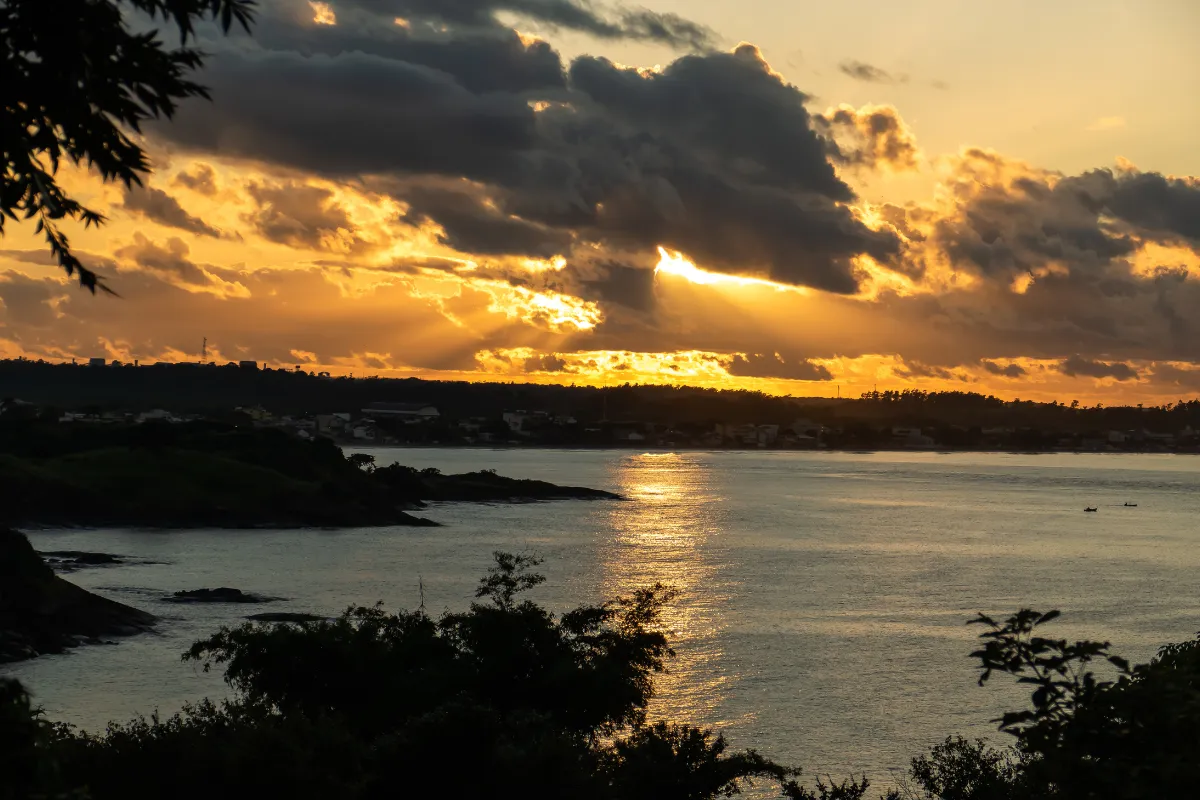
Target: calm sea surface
[(824, 595)]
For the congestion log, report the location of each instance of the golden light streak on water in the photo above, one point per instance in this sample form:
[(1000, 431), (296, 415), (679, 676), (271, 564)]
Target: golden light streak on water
[(670, 533)]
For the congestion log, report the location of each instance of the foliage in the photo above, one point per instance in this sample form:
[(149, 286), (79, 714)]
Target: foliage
[(364, 461), (77, 80), (27, 767), (959, 769), (504, 699), (508, 699), (211, 751), (1133, 735)]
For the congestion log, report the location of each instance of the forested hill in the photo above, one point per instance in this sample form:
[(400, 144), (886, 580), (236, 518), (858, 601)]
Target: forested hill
[(192, 388)]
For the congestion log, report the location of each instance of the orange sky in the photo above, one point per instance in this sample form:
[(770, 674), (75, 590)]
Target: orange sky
[(444, 197)]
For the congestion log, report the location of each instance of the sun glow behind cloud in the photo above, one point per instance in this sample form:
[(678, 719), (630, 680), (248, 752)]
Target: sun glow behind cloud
[(322, 13), (675, 263)]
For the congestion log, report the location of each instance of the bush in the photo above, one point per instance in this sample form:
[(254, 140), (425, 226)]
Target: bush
[(505, 699)]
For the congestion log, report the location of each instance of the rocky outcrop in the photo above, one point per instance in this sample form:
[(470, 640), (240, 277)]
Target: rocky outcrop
[(72, 560), (417, 487), (42, 613), (221, 595)]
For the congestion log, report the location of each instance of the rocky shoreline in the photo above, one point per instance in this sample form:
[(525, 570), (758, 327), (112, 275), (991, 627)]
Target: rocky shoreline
[(41, 613), (207, 476)]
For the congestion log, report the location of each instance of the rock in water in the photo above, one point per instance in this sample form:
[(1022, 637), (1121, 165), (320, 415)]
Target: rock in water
[(72, 560), (221, 595), (42, 613)]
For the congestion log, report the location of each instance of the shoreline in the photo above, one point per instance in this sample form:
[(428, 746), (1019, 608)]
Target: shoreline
[(355, 444)]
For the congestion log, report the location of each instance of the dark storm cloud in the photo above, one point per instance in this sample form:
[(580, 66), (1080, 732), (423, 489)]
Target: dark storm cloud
[(492, 60), (1076, 366), (862, 71), (158, 206), (1005, 371), (350, 114), (726, 109), (473, 225), (617, 23), (715, 156), (1085, 222), (1166, 207), (772, 365), (300, 215), (611, 282)]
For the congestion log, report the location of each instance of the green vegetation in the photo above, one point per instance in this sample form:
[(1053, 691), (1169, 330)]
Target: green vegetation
[(215, 475), (506, 699)]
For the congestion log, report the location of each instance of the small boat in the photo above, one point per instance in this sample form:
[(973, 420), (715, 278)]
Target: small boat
[(1131, 505), (1090, 509)]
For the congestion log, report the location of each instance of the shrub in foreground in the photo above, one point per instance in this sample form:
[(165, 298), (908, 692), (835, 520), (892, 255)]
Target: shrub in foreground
[(507, 699)]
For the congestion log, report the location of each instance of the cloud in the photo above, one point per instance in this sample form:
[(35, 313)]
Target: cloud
[(589, 18), (614, 282), (1085, 367), (171, 263), (1005, 370), (279, 311), (27, 303), (873, 136), (158, 206), (302, 215), (437, 171), (862, 71), (200, 179), (623, 158), (1107, 124), (353, 113), (1009, 218), (472, 223), (915, 369), (490, 59), (773, 365), (1167, 208), (546, 362), (1184, 378), (694, 175)]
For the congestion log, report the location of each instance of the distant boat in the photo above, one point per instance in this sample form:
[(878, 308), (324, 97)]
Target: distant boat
[(1131, 505), (1090, 509)]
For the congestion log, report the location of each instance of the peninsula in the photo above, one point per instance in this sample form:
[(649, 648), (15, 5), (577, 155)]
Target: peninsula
[(208, 474)]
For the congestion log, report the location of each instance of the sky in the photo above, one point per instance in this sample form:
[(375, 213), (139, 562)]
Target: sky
[(814, 199)]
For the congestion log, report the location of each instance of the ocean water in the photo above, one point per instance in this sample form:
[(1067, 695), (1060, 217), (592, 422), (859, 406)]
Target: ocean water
[(823, 596)]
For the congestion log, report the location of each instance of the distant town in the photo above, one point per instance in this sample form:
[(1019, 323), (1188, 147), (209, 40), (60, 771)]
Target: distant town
[(413, 412)]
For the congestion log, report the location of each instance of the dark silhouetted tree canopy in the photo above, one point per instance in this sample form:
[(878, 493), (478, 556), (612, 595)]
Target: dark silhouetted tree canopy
[(78, 81), (507, 699)]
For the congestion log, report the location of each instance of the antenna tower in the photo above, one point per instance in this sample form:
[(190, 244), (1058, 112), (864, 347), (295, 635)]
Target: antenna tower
[(204, 351)]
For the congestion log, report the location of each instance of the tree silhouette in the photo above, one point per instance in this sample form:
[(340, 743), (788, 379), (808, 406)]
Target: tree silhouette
[(76, 83)]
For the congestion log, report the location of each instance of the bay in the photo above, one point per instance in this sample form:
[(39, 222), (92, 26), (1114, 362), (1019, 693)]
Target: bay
[(823, 596)]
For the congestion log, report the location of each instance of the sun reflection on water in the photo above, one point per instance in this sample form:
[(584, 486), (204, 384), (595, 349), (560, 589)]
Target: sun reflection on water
[(671, 533)]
